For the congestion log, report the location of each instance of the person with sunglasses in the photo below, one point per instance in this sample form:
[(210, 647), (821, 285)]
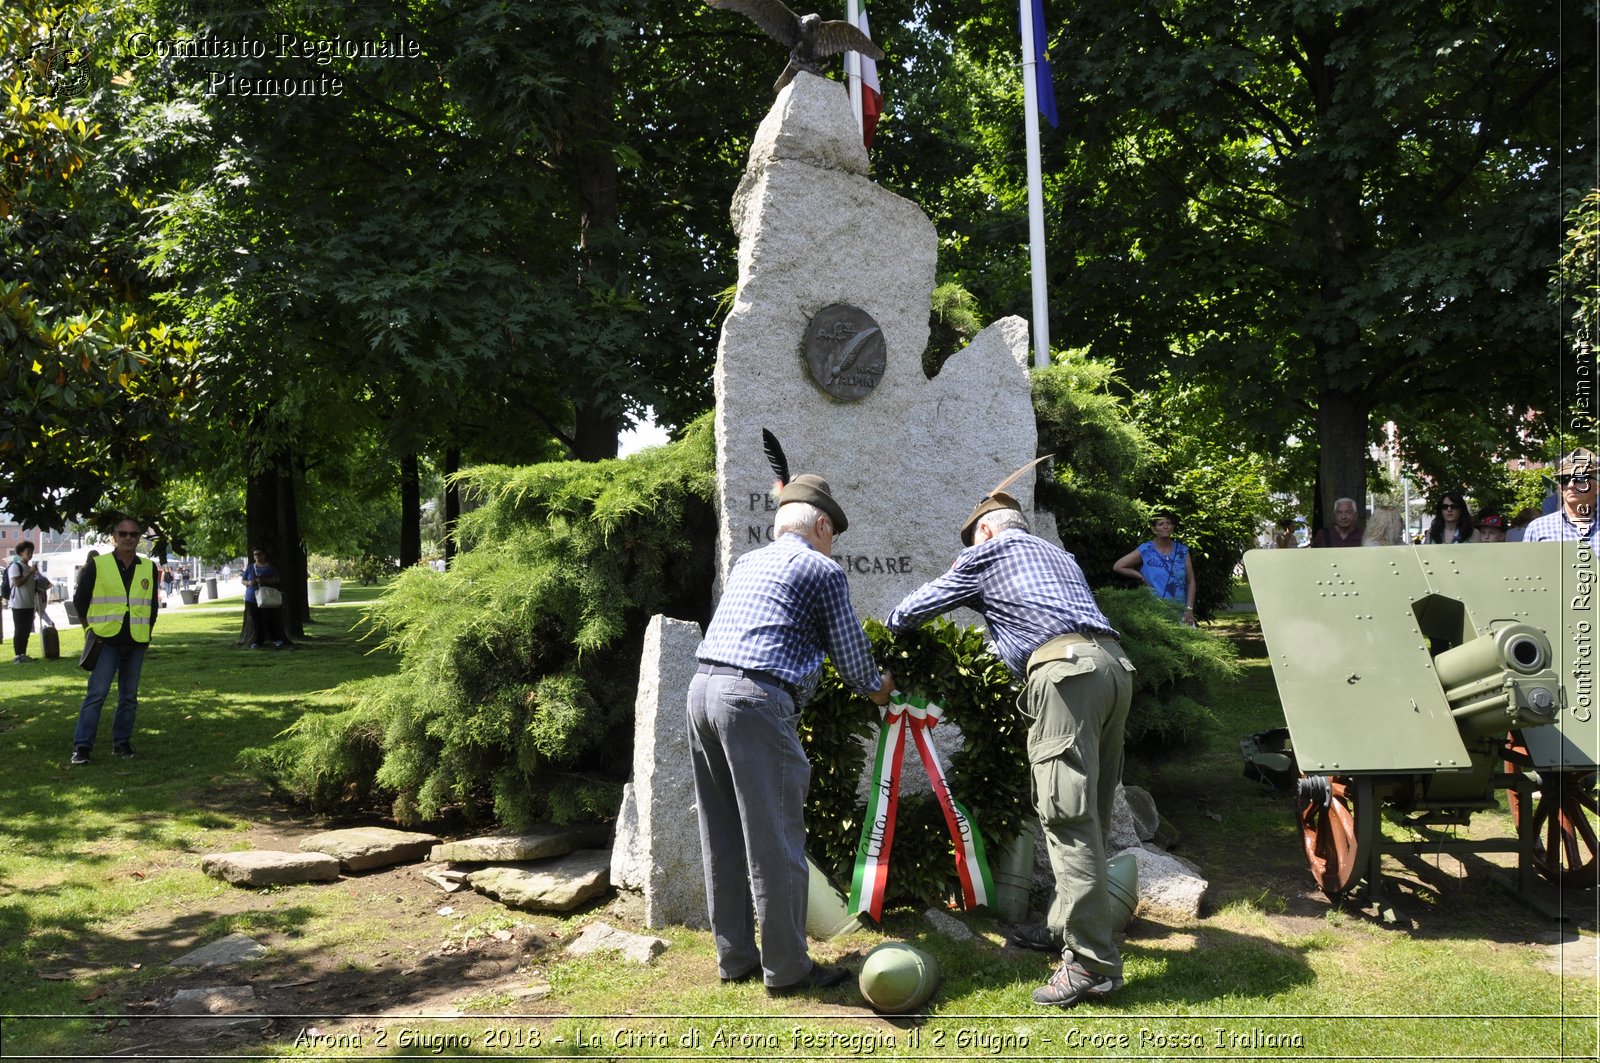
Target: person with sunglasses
[(116, 597), (1452, 521), (1574, 519)]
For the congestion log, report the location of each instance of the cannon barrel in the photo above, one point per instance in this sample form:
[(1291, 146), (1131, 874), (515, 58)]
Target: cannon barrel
[(1500, 681)]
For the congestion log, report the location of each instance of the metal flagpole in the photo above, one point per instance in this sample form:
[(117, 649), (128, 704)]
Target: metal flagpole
[(1030, 105), (852, 65)]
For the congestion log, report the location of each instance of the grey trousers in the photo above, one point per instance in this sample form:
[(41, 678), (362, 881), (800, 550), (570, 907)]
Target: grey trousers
[(750, 782), (1079, 710)]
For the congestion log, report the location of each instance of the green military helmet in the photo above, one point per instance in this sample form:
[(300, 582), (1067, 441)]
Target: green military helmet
[(897, 979), (1122, 884)]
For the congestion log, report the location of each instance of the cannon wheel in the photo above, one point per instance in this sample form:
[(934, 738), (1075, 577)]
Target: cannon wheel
[(1334, 827), (1566, 846)]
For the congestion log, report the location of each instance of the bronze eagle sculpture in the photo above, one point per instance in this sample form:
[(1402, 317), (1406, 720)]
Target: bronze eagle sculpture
[(809, 39)]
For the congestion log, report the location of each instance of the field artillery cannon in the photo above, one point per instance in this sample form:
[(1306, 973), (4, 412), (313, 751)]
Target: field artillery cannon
[(1421, 680)]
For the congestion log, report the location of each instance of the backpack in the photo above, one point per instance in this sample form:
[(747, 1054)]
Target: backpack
[(5, 583)]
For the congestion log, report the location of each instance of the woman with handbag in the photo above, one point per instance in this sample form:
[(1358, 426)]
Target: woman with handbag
[(263, 601)]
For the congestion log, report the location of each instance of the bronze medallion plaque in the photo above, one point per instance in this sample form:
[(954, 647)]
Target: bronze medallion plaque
[(845, 352)]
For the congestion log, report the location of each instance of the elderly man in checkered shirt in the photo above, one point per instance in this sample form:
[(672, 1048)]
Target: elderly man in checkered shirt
[(784, 606), (1576, 475), (1078, 685)]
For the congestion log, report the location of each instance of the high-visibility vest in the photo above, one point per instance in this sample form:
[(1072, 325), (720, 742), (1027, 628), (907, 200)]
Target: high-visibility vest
[(111, 602)]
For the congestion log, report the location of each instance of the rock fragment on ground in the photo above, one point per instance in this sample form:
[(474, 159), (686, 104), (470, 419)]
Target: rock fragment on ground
[(602, 937), (364, 848), (537, 844), (1165, 883), (267, 867), (235, 948), (1142, 807), (551, 885), (948, 925), (448, 880), (537, 989)]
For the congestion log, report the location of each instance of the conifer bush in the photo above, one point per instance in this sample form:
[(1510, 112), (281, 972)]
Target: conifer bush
[(519, 664)]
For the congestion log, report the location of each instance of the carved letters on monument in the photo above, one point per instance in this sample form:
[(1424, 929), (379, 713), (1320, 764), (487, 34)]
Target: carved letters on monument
[(758, 532), (845, 352)]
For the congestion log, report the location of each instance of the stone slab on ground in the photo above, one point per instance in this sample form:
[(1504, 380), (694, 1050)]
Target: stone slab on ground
[(267, 867), (364, 848), (658, 835), (556, 885), (1166, 883), (537, 844), (602, 937), (212, 1000), (235, 948), (216, 1008)]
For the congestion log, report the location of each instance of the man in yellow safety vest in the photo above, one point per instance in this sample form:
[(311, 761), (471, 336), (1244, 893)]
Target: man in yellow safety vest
[(116, 597)]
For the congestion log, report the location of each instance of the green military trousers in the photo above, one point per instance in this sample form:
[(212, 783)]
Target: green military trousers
[(1079, 709)]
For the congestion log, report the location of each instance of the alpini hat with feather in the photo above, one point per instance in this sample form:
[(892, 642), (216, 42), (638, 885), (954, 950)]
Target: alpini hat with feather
[(996, 499), (807, 487)]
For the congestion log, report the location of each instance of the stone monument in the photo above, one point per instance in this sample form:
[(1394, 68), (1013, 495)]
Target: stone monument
[(824, 347)]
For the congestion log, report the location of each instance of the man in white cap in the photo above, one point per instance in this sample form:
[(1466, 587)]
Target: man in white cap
[(785, 605), (1574, 520)]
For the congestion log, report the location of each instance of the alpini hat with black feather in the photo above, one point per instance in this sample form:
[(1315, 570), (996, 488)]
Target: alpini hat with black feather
[(807, 487), (996, 499)]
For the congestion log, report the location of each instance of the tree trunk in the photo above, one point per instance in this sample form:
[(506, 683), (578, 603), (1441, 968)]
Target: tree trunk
[(1340, 233), (410, 510), (594, 435), (272, 522), (291, 560), (452, 503), (1342, 421)]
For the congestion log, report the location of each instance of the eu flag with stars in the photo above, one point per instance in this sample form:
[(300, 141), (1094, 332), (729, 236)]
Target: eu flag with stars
[(1044, 80)]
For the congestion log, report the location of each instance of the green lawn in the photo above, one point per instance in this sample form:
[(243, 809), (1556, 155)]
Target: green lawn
[(100, 888)]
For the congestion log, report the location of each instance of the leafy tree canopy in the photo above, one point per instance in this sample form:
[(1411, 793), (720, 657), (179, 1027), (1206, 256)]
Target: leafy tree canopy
[(91, 381)]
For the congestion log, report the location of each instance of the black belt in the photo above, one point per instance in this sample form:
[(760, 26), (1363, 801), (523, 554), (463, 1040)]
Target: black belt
[(753, 674)]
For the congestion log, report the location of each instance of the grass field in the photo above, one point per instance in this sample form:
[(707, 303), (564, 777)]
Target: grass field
[(100, 890)]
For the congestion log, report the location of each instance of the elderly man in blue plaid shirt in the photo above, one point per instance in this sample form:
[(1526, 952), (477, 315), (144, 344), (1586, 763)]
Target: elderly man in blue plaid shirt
[(1078, 685), (784, 606)]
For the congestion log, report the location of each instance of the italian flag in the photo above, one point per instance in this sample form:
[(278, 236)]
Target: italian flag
[(871, 95)]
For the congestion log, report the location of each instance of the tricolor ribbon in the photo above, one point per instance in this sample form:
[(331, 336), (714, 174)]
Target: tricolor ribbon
[(871, 877)]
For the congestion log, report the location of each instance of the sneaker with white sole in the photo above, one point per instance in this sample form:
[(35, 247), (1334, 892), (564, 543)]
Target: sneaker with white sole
[(1072, 983)]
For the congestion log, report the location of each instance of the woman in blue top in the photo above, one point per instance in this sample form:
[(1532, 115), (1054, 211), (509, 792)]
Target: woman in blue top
[(1163, 564), (264, 624)]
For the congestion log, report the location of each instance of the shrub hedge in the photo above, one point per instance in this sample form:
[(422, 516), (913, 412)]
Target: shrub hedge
[(519, 664)]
